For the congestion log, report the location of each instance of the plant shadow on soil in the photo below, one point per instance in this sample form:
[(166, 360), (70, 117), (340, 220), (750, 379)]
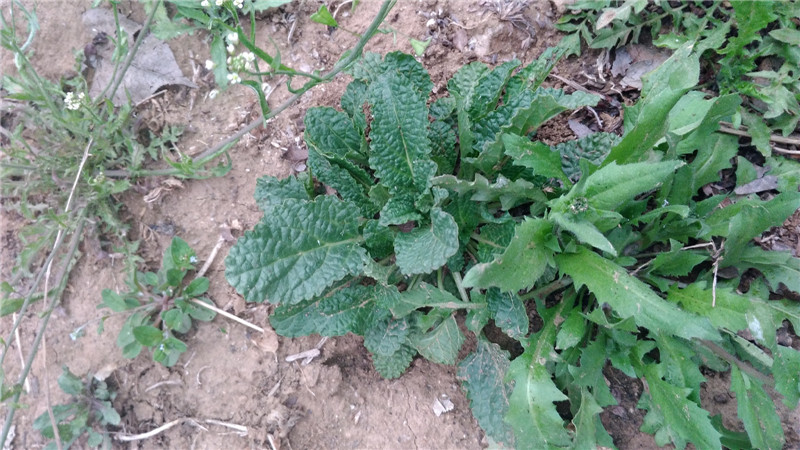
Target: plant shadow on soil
[(228, 374)]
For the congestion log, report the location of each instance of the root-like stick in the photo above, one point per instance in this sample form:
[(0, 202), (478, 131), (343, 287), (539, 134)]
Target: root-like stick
[(211, 257), (27, 384), (727, 128), (161, 429), (164, 383), (240, 428), (227, 314)]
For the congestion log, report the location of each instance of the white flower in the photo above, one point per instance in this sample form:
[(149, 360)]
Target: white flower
[(73, 102), (210, 64), (232, 38), (266, 88), (248, 56), (234, 78), (205, 4), (231, 48), (219, 2), (213, 93), (238, 3)]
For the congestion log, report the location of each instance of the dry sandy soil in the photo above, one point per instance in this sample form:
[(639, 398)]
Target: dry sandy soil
[(229, 374)]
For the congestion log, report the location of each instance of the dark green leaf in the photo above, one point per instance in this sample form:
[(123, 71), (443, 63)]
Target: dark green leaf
[(630, 297), (175, 320), (442, 344), (387, 336), (521, 264), (271, 192), (571, 331), (482, 376), (424, 295), (672, 417), (534, 155), (508, 312), (297, 251), (113, 301), (661, 90), (589, 430), (757, 411), (425, 249), (393, 365), (508, 193), (399, 134), (348, 310)]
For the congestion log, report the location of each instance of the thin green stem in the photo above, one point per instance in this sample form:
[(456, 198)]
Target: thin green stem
[(477, 238), (143, 33), (460, 286), (548, 289)]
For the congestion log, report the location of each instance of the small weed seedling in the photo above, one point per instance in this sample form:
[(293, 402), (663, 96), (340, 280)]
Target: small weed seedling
[(89, 412), (450, 217), (160, 305)]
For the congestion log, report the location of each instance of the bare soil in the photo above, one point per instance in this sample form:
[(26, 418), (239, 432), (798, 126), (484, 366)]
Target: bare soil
[(230, 374)]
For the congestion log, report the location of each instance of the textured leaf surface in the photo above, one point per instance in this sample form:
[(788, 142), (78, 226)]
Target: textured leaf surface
[(331, 131), (508, 193), (628, 296), (346, 310), (592, 148), (508, 312), (757, 411), (482, 374), (271, 192), (442, 344), (675, 418), (392, 366), (297, 251), (386, 337), (423, 250), (489, 87), (399, 132), (521, 264)]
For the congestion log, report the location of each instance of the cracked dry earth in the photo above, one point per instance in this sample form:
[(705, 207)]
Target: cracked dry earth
[(229, 374)]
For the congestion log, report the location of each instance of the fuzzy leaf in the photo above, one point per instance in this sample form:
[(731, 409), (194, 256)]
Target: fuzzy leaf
[(521, 264), (408, 67), (392, 366), (69, 382), (508, 312), (442, 344), (387, 336), (443, 151), (399, 134), (462, 87), (331, 131), (346, 310), (148, 335), (489, 88), (425, 249), (757, 411), (482, 374), (593, 148), (353, 100), (675, 418), (494, 238), (628, 296), (297, 251)]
